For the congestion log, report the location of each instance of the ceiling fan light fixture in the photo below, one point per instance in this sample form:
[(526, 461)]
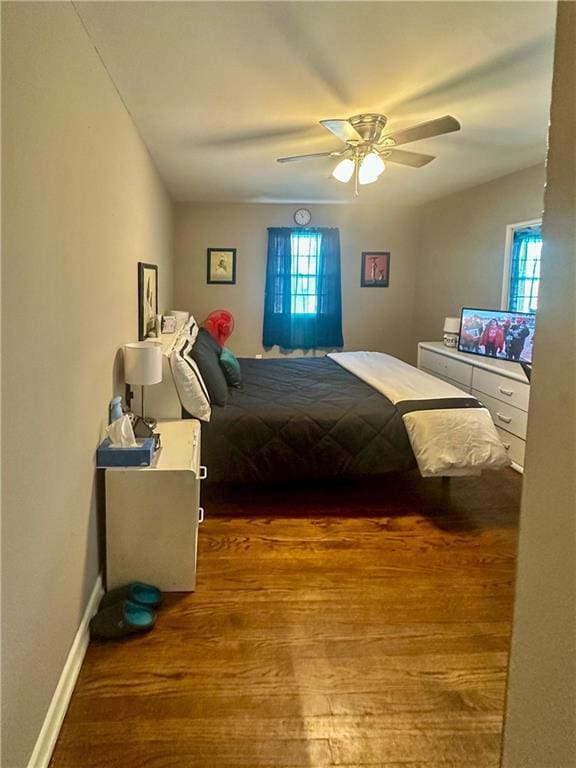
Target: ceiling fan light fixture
[(372, 166), (344, 170), (366, 178)]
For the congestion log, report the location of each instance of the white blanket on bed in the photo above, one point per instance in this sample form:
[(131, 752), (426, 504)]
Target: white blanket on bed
[(445, 442)]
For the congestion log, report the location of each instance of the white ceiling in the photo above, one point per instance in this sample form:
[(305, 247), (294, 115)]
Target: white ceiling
[(219, 90)]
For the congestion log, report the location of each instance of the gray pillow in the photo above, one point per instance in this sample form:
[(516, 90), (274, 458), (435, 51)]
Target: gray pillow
[(206, 355)]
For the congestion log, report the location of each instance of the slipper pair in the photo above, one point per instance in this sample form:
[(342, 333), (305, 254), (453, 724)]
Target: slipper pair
[(126, 611)]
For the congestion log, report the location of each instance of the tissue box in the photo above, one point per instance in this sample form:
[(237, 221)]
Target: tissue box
[(140, 456)]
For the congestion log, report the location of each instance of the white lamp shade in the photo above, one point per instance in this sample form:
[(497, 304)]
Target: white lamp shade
[(373, 164), (344, 170), (142, 363), (452, 325)]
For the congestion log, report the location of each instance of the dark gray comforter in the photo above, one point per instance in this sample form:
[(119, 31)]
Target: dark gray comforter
[(301, 419)]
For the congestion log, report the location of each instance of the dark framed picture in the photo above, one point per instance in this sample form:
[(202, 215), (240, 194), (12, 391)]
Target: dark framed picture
[(375, 269), (147, 298), (221, 266)]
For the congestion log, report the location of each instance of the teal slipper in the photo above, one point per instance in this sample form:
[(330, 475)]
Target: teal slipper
[(135, 592), (120, 620)]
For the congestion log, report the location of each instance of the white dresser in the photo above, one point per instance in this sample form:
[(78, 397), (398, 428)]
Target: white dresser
[(500, 385), (152, 513)]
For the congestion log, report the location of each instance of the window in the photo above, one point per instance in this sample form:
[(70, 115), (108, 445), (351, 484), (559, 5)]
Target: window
[(305, 254), (524, 268), (303, 298)]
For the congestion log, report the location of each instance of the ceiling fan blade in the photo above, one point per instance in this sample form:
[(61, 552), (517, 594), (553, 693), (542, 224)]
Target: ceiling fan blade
[(413, 159), (304, 157), (437, 127), (342, 129)]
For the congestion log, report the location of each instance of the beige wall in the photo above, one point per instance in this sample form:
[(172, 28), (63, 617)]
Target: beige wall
[(540, 728), (373, 318), (462, 243), (82, 204), (445, 255)]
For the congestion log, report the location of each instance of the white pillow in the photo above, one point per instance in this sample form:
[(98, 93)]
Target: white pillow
[(190, 330), (189, 384), (187, 330)]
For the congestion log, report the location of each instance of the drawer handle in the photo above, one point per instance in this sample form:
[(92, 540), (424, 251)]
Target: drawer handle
[(508, 392), (505, 419), (203, 473), (506, 446), (200, 515)]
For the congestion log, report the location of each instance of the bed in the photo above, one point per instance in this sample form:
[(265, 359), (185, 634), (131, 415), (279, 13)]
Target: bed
[(303, 419), (346, 416)]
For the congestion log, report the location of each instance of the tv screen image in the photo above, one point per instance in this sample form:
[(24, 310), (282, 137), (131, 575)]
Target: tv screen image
[(496, 333)]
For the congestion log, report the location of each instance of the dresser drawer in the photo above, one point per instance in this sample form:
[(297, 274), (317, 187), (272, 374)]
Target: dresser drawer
[(508, 390), (446, 367), (504, 416), (515, 446)]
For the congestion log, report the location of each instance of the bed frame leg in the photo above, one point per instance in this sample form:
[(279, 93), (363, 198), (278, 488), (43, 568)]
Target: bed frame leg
[(445, 489)]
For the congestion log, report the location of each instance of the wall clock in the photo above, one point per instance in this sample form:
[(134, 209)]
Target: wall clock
[(302, 217)]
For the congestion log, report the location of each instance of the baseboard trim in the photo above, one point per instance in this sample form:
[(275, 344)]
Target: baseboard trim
[(61, 699)]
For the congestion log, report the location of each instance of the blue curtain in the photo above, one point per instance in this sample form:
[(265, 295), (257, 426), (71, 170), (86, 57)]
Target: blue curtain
[(525, 270), (288, 275)]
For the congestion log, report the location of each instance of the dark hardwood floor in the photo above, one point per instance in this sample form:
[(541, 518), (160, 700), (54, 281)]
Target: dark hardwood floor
[(354, 625)]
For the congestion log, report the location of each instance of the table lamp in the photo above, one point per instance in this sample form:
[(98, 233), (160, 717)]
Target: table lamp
[(451, 331), (143, 367)]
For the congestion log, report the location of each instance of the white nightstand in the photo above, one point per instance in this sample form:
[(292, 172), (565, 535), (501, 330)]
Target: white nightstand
[(499, 384), (152, 513)]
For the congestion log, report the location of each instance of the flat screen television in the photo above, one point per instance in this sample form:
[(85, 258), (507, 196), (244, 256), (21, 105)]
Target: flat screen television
[(496, 333)]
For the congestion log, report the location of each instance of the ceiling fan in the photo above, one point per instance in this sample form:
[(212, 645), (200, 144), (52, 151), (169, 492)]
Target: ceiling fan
[(367, 146)]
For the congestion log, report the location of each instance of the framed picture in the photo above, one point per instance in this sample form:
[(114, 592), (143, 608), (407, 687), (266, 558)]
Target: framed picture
[(147, 298), (221, 266), (375, 269)]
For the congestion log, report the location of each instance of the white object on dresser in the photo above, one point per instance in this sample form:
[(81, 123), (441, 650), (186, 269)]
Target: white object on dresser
[(499, 384), (451, 331), (152, 513)]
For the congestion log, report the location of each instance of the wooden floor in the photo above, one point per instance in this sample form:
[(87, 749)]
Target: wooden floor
[(360, 625)]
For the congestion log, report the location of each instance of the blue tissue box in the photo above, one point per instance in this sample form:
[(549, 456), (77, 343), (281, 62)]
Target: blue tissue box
[(140, 456)]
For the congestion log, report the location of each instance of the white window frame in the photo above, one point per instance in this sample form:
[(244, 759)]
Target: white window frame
[(510, 230), (310, 235)]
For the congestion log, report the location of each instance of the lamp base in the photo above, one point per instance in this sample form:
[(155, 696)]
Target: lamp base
[(450, 340)]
